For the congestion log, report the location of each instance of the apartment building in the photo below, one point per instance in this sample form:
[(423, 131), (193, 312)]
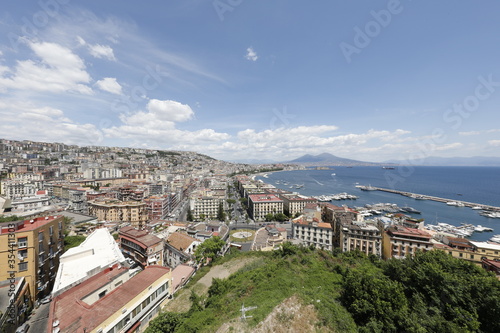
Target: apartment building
[(112, 301), (399, 242), (310, 229), (144, 248), (353, 233), (179, 248), (133, 212), (158, 207), (318, 234), (17, 189), (204, 206), (98, 252), (36, 245), (294, 204), (259, 205)]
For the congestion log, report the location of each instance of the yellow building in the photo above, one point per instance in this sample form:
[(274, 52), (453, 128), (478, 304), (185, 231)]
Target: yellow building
[(401, 242), (259, 205), (134, 212), (31, 249), (475, 252)]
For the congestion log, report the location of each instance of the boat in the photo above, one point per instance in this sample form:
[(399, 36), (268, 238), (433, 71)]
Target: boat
[(388, 168), (477, 208), (410, 210), (480, 228)]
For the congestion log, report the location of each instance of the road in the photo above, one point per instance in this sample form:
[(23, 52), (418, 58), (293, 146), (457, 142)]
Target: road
[(38, 320)]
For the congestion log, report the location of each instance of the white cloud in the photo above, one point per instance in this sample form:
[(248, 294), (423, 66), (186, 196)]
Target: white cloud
[(81, 41), (251, 54), (494, 143), (156, 126), (470, 133), (170, 110), (56, 69), (110, 85), (23, 120), (102, 51)]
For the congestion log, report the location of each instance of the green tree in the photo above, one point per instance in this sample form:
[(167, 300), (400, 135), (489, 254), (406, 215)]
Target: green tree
[(165, 322), (269, 217), (280, 217), (209, 248), (221, 215), (11, 218), (189, 216)]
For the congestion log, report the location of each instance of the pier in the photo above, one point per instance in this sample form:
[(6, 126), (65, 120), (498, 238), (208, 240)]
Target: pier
[(438, 199)]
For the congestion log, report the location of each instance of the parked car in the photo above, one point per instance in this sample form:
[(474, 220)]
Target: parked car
[(23, 328)]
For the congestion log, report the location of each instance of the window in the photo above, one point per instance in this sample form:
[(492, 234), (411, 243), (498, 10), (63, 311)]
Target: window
[(40, 247), (51, 230), (22, 242), (23, 266), (40, 236), (22, 254)]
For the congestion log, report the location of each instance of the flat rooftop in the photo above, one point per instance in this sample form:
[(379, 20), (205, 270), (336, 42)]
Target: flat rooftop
[(98, 251), (74, 314)]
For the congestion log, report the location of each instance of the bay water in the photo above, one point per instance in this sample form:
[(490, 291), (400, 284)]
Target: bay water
[(479, 185)]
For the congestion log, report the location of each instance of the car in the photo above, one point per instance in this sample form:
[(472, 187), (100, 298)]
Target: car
[(46, 300), (23, 328)]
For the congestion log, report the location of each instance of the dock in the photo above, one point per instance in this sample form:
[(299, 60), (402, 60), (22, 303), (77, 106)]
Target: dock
[(438, 199)]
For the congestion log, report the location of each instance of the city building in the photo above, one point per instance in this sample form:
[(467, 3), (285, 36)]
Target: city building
[(15, 303), (158, 207), (399, 242), (351, 232), (294, 204), (179, 248), (144, 248), (36, 245), (310, 229), (97, 252), (259, 205), (114, 300), (204, 207), (133, 212)]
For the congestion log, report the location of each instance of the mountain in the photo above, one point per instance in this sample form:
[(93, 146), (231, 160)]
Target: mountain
[(453, 161), (327, 159)]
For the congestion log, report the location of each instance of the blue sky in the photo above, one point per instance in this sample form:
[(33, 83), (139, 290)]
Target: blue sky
[(265, 80)]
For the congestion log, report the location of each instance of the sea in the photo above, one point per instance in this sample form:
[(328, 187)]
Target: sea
[(479, 185)]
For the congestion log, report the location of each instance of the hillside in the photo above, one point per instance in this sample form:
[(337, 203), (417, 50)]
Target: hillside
[(326, 159), (300, 289)]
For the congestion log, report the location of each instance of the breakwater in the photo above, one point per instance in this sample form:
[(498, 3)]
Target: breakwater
[(438, 199)]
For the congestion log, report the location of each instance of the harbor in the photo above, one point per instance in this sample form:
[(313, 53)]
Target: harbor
[(449, 202)]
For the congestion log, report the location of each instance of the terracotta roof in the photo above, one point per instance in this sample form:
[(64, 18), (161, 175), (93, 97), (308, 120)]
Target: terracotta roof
[(264, 198), (27, 225), (404, 231), (139, 236), (74, 314), (180, 241)]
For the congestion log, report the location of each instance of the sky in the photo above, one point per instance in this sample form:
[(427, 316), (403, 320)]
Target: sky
[(259, 80)]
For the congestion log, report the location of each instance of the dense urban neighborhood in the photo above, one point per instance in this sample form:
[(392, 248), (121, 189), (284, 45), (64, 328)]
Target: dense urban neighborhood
[(100, 239)]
